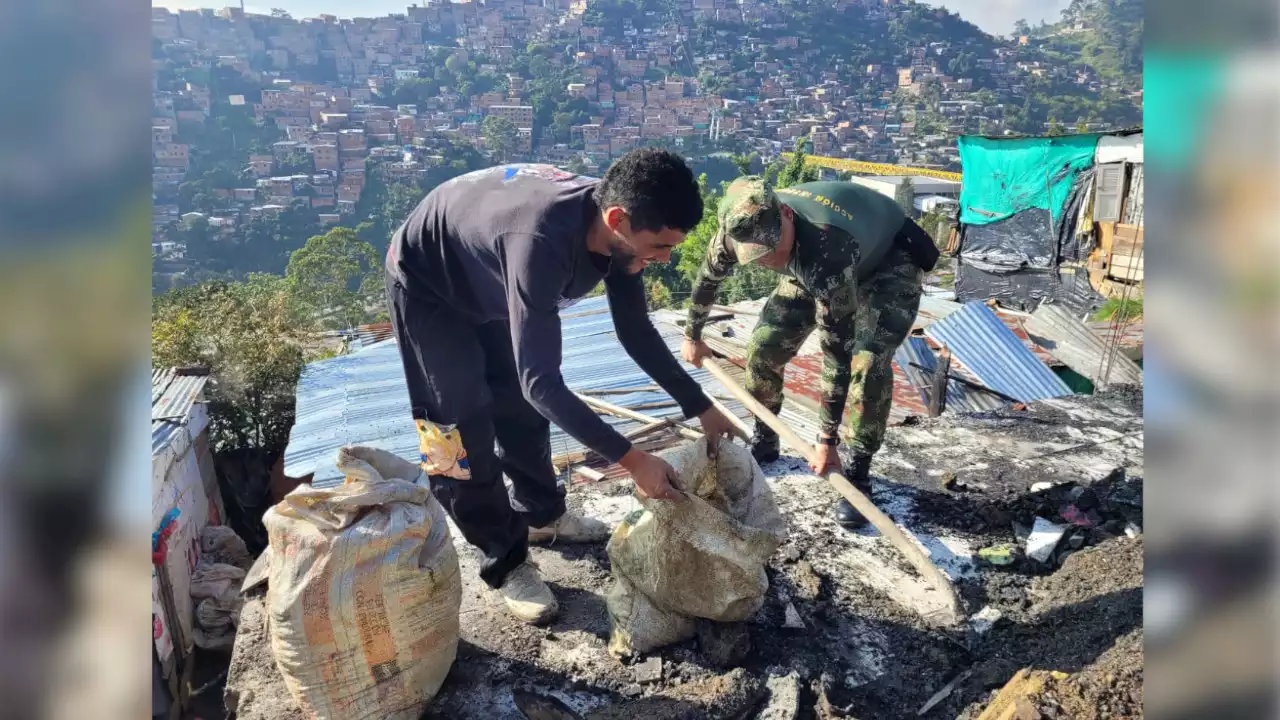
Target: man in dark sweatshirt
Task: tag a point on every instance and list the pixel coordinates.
(476, 278)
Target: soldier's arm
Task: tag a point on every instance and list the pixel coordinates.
(716, 266)
(837, 325)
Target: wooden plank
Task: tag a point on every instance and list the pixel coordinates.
(588, 473)
(938, 389)
(619, 411)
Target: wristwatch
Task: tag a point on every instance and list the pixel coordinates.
(831, 441)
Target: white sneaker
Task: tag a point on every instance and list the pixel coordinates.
(571, 528)
(527, 596)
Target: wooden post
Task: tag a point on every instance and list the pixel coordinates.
(938, 391)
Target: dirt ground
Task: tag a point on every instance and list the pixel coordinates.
(958, 484)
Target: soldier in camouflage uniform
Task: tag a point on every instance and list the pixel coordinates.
(852, 265)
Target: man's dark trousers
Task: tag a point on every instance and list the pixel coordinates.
(464, 373)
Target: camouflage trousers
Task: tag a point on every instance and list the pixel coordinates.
(887, 305)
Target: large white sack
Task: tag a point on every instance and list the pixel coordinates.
(703, 558)
(363, 591)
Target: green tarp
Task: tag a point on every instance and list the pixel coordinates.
(1003, 177)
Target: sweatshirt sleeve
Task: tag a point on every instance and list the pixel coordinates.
(536, 272)
(645, 345)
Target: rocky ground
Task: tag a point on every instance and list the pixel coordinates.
(959, 485)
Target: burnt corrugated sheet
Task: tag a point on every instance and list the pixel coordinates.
(960, 397)
(362, 399)
(990, 350)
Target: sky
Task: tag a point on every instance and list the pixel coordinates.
(994, 16)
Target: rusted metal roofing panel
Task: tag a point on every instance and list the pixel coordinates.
(995, 355)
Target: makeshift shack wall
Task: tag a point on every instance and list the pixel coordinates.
(1029, 251)
(182, 478)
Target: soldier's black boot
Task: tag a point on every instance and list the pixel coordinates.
(859, 474)
(764, 444)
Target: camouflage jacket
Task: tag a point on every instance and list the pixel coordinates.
(823, 265)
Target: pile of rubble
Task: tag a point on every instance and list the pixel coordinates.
(1035, 514)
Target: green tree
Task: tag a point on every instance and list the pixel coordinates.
(254, 345)
(905, 196)
(500, 136)
(744, 162)
(336, 277)
(1055, 127)
(1082, 126)
(796, 171)
(576, 165)
(658, 294)
(295, 162)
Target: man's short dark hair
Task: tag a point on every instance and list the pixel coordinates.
(655, 187)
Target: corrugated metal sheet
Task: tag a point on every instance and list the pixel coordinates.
(361, 398)
(933, 309)
(997, 357)
(960, 397)
(1071, 341)
(172, 396)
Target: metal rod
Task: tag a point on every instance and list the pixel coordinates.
(970, 383)
(882, 522)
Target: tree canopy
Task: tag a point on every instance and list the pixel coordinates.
(337, 278)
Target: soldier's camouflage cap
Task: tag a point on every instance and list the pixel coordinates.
(750, 218)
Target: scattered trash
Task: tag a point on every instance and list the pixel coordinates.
(1078, 517)
(998, 555)
(985, 619)
(792, 620)
(1084, 498)
(382, 537)
(649, 671)
(1018, 696)
(944, 693)
(1132, 530)
(1044, 539)
(1076, 541)
(703, 558)
(949, 481)
(215, 586)
(1041, 487)
(221, 544)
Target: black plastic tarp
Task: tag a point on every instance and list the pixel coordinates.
(1024, 288)
(1018, 261)
(1023, 240)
